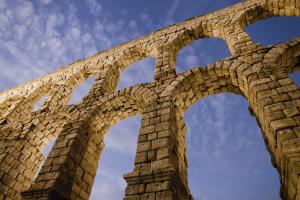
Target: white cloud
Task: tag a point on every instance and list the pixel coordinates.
(42, 41)
(53, 21)
(94, 7)
(45, 2)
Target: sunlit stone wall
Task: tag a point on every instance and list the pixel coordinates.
(258, 74)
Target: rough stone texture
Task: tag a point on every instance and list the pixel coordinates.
(258, 74)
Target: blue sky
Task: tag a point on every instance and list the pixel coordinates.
(227, 156)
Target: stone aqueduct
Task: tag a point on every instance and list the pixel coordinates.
(258, 74)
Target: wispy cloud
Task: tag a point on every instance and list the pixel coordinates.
(146, 20)
(221, 137)
(224, 141)
(139, 72)
(35, 40)
(120, 140)
(123, 137)
(45, 2)
(109, 184)
(40, 43)
(170, 13)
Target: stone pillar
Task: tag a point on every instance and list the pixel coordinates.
(238, 40)
(275, 100)
(19, 161)
(160, 171)
(71, 166)
(165, 66)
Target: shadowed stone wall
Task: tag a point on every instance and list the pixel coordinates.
(258, 74)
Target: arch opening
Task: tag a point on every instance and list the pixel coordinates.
(116, 159)
(227, 152)
(139, 72)
(82, 90)
(39, 104)
(274, 30)
(45, 152)
(104, 116)
(296, 78)
(201, 53)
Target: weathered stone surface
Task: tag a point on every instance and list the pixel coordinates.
(258, 74)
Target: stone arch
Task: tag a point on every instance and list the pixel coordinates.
(221, 27)
(186, 36)
(252, 14)
(267, 9)
(104, 116)
(27, 103)
(237, 37)
(86, 138)
(116, 107)
(200, 29)
(268, 102)
(46, 127)
(272, 98)
(192, 85)
(263, 10)
(115, 65)
(62, 81)
(181, 39)
(58, 94)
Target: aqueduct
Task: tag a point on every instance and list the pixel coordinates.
(259, 74)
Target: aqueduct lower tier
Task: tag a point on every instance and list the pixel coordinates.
(258, 74)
